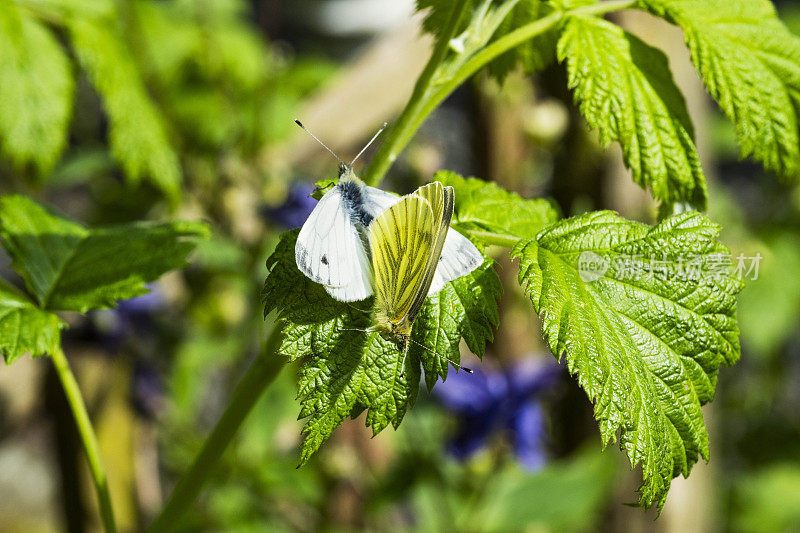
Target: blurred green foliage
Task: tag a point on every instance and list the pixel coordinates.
(768, 500)
(189, 90)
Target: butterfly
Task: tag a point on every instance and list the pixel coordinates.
(334, 245)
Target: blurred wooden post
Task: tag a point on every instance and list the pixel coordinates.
(369, 91)
(507, 161)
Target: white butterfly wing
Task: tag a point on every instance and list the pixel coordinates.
(459, 258)
(361, 287)
(329, 249)
(376, 201)
(330, 252)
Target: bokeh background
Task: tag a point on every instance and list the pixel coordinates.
(513, 447)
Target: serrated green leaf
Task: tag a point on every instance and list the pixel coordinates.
(625, 90)
(465, 308)
(645, 343)
(437, 13)
(137, 134)
(484, 206)
(344, 372)
(69, 267)
(37, 91)
(750, 63)
(24, 328)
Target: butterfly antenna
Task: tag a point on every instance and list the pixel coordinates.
(369, 143)
(437, 354)
(353, 329)
(403, 362)
(320, 142)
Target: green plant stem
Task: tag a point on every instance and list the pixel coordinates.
(259, 376)
(494, 239)
(427, 95)
(88, 438)
(408, 122)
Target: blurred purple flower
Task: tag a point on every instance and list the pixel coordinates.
(491, 401)
(144, 304)
(294, 211)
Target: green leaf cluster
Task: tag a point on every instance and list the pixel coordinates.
(345, 371)
(750, 63)
(644, 317)
(39, 82)
(67, 267)
(215, 75)
(172, 77)
(747, 58)
(137, 133)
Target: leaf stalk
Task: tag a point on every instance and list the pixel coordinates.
(88, 438)
(494, 239)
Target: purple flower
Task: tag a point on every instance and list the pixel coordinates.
(294, 211)
(491, 401)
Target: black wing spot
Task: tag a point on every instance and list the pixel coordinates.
(324, 259)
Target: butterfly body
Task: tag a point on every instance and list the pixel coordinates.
(397, 332)
(353, 192)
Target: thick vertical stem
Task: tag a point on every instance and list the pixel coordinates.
(408, 122)
(259, 376)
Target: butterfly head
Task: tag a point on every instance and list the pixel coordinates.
(346, 173)
(398, 333)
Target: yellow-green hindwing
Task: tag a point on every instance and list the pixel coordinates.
(406, 242)
(400, 239)
(442, 200)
